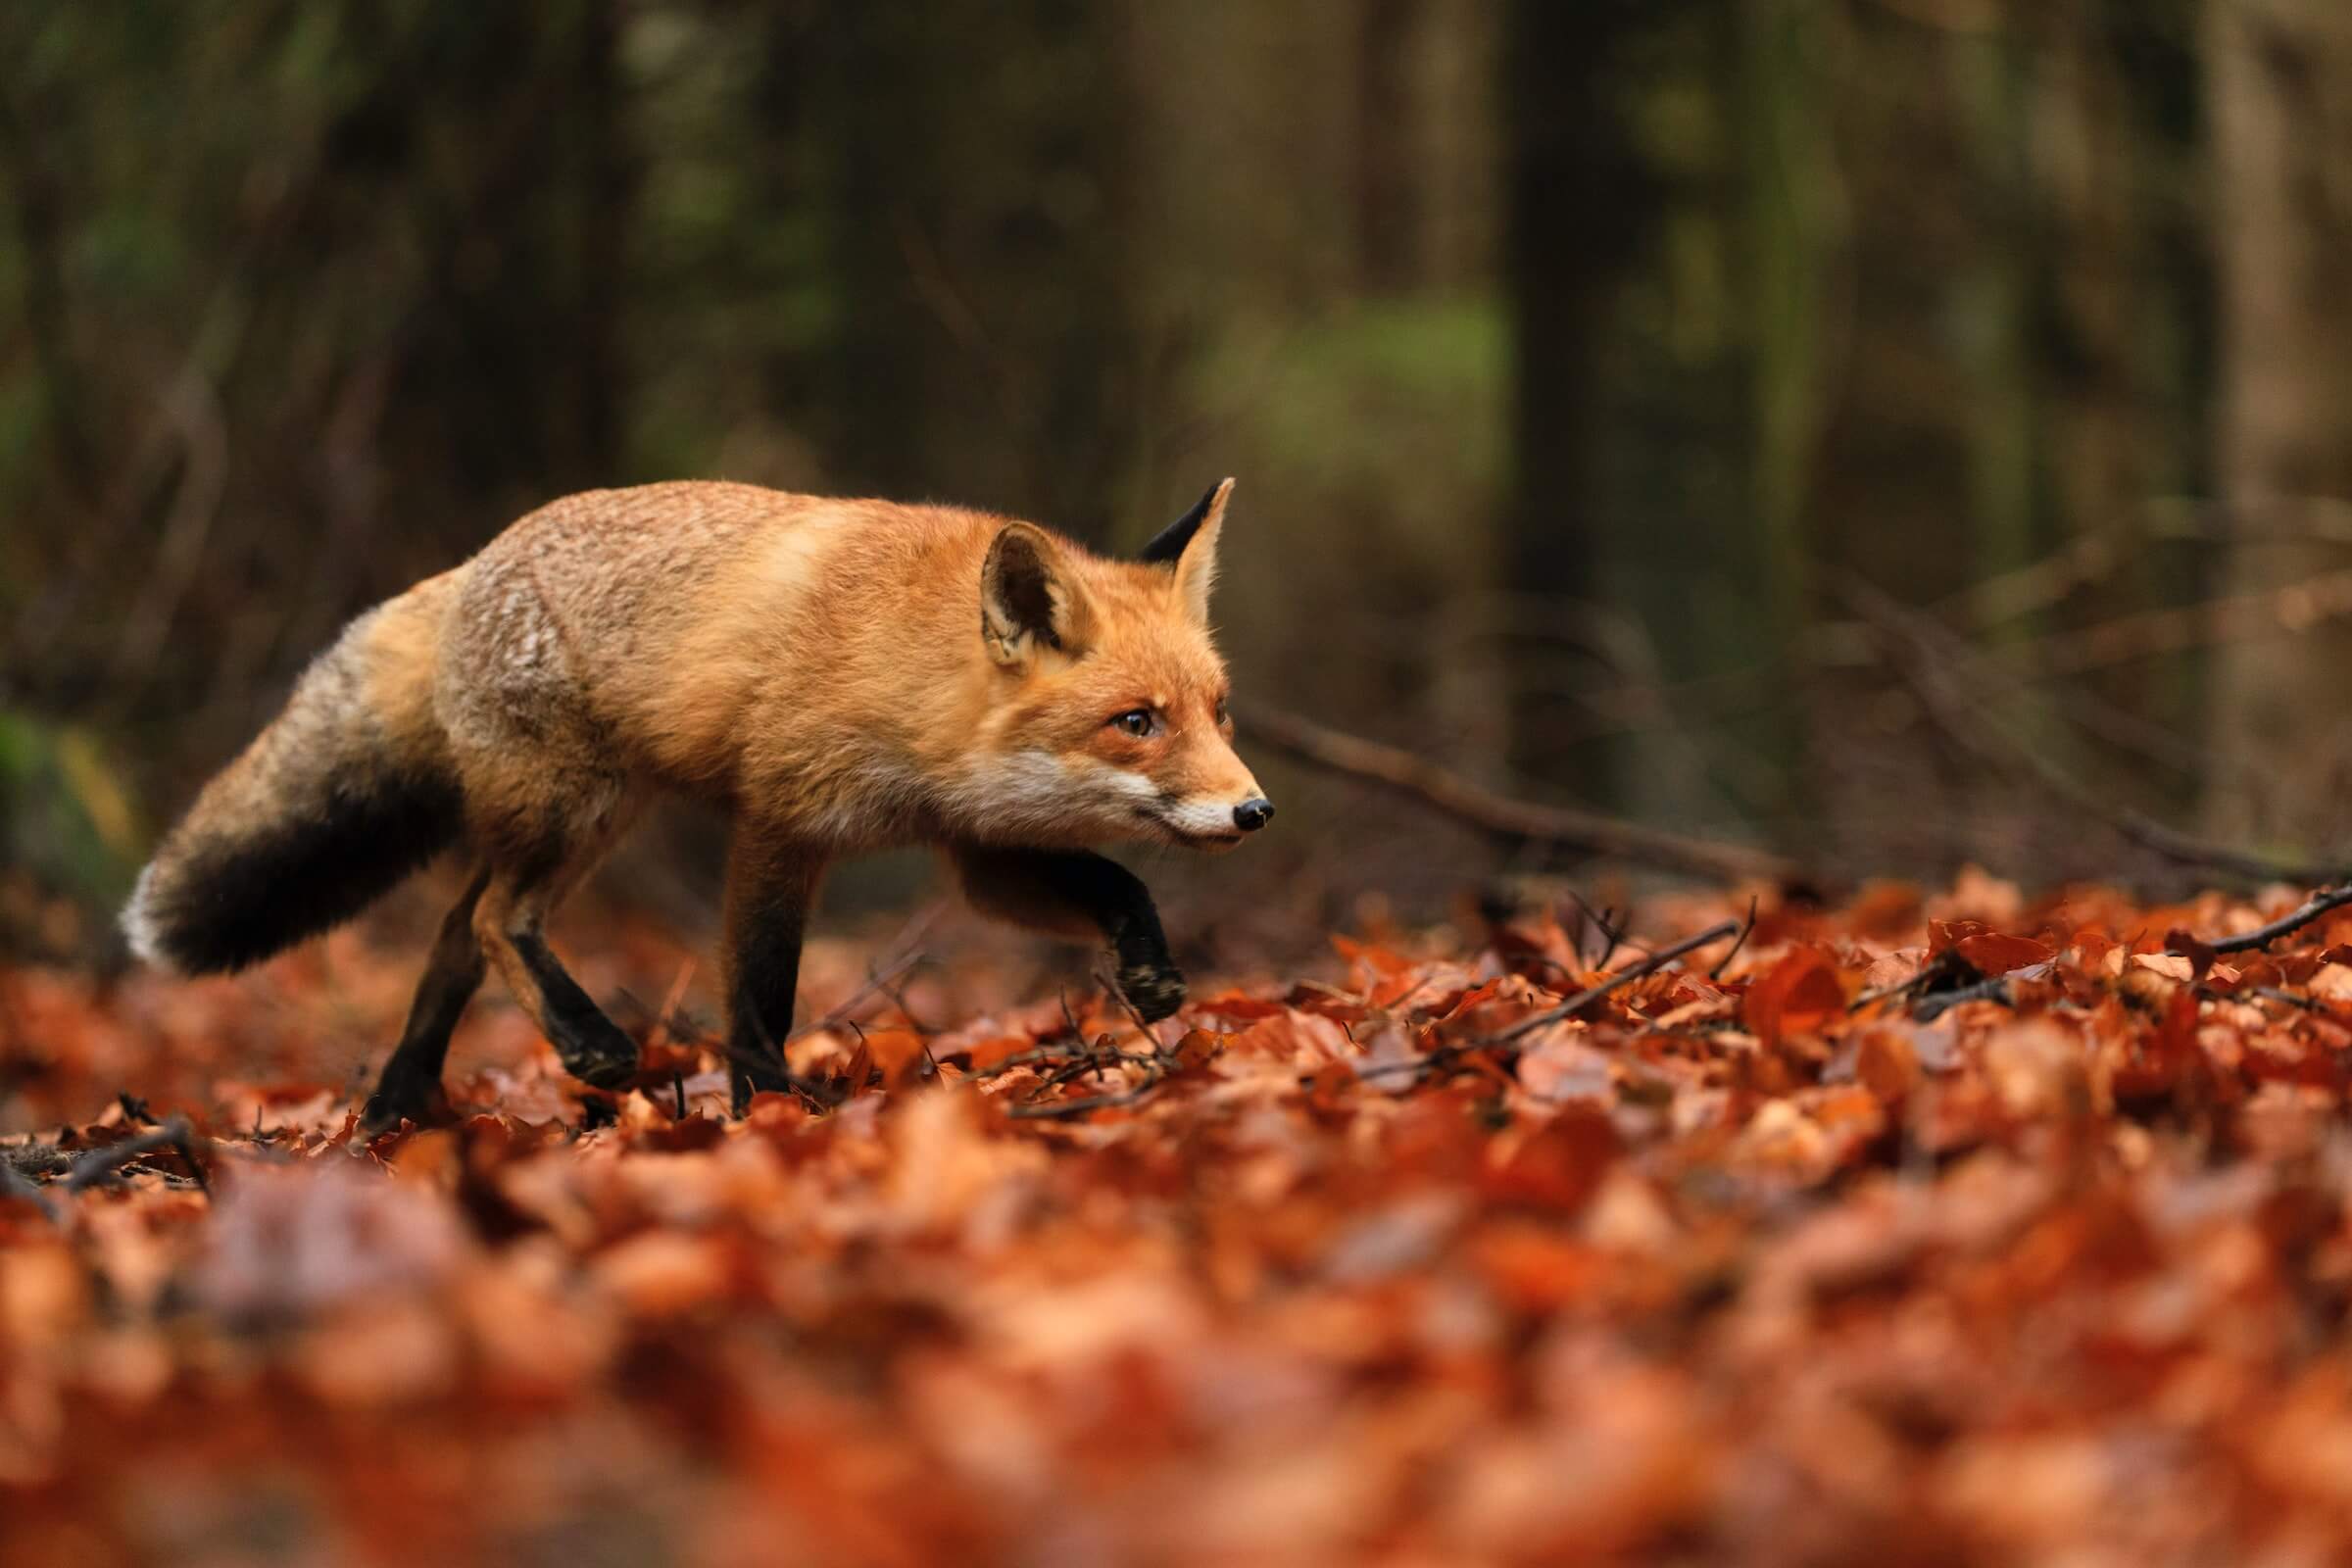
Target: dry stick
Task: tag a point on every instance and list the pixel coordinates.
(15, 1184)
(1920, 651)
(878, 979)
(1600, 923)
(1156, 1064)
(1746, 929)
(2293, 922)
(1445, 1055)
(1064, 1108)
(1502, 815)
(1935, 1004)
(100, 1163)
(2307, 1003)
(1037, 1055)
(1626, 976)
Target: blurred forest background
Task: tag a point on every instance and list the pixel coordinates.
(1892, 432)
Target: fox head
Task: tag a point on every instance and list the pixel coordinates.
(1111, 720)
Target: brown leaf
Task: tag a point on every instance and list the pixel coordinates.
(1797, 994)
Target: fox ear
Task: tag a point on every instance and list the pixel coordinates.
(1028, 598)
(1190, 545)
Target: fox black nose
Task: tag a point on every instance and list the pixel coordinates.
(1254, 813)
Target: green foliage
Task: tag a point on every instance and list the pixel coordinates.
(64, 814)
(1401, 405)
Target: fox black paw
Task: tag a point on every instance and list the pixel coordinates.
(601, 1064)
(1153, 991)
(393, 1103)
(745, 1079)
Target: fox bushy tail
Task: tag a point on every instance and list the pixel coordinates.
(345, 794)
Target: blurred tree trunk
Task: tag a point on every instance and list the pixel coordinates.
(975, 160)
(1795, 235)
(602, 227)
(2112, 137)
(2281, 104)
(1579, 200)
(1997, 300)
(1387, 213)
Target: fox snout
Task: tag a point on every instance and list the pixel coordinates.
(1216, 822)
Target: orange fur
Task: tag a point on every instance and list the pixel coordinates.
(839, 676)
(821, 667)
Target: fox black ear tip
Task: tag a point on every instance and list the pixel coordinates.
(1168, 545)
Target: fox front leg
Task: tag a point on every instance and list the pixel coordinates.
(771, 883)
(1085, 897)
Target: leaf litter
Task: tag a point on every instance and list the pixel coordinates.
(1957, 1227)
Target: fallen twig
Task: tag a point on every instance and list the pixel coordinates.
(13, 1184)
(1747, 928)
(1600, 923)
(1157, 1064)
(878, 982)
(1925, 655)
(1593, 993)
(1062, 1110)
(100, 1163)
(1506, 817)
(1935, 1004)
(1446, 1057)
(1884, 993)
(2291, 1000)
(1071, 1066)
(2287, 924)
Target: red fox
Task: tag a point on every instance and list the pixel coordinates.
(838, 676)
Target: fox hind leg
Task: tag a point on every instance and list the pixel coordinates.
(411, 1084)
(511, 920)
(771, 884)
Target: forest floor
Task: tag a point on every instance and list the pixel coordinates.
(1940, 1227)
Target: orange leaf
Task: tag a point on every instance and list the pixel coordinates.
(1994, 953)
(1559, 1164)
(900, 1053)
(1800, 992)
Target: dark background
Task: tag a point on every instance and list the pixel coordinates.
(1897, 432)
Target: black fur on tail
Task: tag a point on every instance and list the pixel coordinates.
(216, 900)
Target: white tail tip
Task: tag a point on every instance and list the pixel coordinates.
(138, 924)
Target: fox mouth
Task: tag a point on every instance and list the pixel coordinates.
(1186, 839)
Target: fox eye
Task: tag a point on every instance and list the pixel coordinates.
(1136, 721)
(1224, 716)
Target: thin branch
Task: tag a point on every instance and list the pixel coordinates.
(1626, 976)
(877, 984)
(100, 1163)
(1600, 923)
(1935, 1004)
(1924, 656)
(1447, 1055)
(1064, 1110)
(1157, 1065)
(2290, 999)
(1504, 816)
(15, 1184)
(1747, 929)
(1033, 1056)
(2287, 924)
